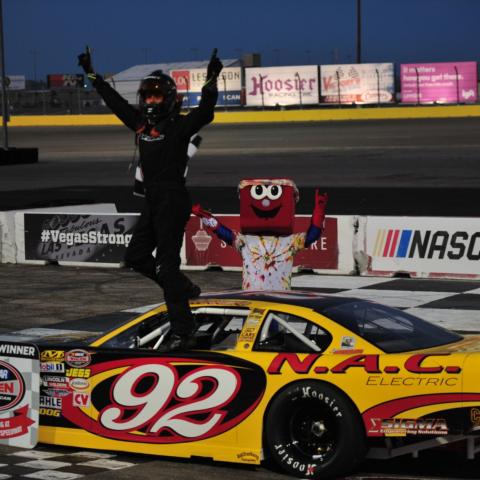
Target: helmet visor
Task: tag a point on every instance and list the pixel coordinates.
(152, 87)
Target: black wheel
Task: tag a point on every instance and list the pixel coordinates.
(313, 431)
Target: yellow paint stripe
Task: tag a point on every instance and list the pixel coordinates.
(314, 115)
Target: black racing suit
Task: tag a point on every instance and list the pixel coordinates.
(163, 159)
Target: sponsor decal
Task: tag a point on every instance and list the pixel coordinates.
(78, 372)
(52, 356)
(368, 362)
(79, 383)
(393, 408)
(475, 417)
(379, 381)
(12, 386)
(401, 427)
(56, 393)
(54, 378)
(78, 358)
(248, 334)
(52, 367)
(49, 412)
(50, 402)
(80, 399)
(427, 244)
(165, 400)
(248, 457)
(56, 385)
(348, 342)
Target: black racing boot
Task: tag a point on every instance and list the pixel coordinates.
(193, 291)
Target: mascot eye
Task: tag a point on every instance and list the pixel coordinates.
(258, 192)
(274, 192)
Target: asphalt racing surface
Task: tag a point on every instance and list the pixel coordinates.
(410, 167)
(401, 167)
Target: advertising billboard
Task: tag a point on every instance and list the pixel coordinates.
(60, 80)
(454, 82)
(190, 83)
(271, 86)
(421, 246)
(359, 84)
(15, 82)
(203, 249)
(89, 238)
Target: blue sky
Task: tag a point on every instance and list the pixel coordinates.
(45, 36)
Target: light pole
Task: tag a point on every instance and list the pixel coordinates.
(4, 86)
(359, 31)
(145, 53)
(34, 54)
(299, 88)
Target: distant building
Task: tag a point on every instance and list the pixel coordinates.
(126, 82)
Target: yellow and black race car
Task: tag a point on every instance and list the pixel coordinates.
(315, 382)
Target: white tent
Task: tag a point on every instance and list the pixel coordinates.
(126, 82)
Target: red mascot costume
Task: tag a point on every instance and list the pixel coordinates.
(267, 243)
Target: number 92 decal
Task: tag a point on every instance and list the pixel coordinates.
(167, 400)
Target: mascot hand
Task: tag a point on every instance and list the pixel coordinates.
(200, 212)
(318, 215)
(207, 218)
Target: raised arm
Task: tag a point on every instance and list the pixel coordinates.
(204, 113)
(213, 225)
(128, 114)
(318, 218)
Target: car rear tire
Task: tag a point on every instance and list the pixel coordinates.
(313, 431)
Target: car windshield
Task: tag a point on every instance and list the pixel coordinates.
(387, 328)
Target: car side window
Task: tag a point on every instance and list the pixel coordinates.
(221, 330)
(284, 332)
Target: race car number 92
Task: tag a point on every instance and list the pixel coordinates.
(168, 403)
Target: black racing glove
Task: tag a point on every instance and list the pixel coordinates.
(214, 67)
(85, 61)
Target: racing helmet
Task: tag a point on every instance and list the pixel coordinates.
(157, 83)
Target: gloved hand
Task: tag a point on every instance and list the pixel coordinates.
(214, 67)
(85, 61)
(207, 218)
(318, 216)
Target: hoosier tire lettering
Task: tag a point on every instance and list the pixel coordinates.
(312, 430)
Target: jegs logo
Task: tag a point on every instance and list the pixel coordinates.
(167, 400)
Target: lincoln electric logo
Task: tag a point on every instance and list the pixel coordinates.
(397, 243)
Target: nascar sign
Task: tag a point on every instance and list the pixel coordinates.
(423, 247)
(190, 83)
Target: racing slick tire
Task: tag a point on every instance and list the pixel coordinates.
(312, 430)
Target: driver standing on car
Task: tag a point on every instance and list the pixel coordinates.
(163, 136)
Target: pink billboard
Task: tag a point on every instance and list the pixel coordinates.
(454, 82)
